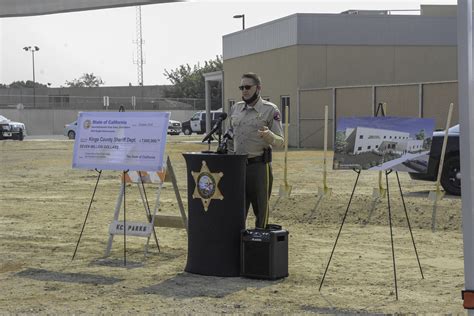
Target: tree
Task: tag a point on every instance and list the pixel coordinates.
(27, 84)
(341, 143)
(420, 135)
(3, 85)
(85, 81)
(188, 82)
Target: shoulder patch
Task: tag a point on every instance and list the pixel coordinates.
(277, 116)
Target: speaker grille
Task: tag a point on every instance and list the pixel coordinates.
(256, 258)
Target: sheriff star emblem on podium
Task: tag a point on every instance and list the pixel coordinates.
(207, 185)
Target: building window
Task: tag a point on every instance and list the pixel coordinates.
(361, 136)
(359, 148)
(384, 137)
(285, 101)
(368, 147)
(376, 146)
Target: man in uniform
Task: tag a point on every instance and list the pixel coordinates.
(256, 127)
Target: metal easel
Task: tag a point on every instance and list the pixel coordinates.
(387, 172)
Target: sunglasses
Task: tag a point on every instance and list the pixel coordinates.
(246, 87)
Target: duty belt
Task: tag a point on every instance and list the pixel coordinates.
(254, 160)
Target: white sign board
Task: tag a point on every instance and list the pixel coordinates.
(120, 140)
(133, 228)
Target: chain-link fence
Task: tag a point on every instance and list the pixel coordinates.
(94, 103)
(429, 100)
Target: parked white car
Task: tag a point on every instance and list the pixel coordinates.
(70, 130)
(11, 130)
(174, 127)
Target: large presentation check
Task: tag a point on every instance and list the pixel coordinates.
(120, 140)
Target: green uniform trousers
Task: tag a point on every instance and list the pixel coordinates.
(259, 180)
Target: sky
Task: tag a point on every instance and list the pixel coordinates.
(410, 125)
(102, 41)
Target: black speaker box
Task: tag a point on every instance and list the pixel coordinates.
(264, 253)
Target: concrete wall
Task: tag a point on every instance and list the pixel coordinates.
(51, 122)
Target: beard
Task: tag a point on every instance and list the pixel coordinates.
(251, 99)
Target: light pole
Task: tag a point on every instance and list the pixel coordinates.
(241, 16)
(33, 49)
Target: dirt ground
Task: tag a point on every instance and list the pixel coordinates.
(43, 203)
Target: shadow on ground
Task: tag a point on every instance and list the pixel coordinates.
(45, 275)
(186, 285)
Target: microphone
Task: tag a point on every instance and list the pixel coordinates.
(216, 126)
(228, 136)
(221, 118)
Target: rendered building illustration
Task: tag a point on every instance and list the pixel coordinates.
(365, 139)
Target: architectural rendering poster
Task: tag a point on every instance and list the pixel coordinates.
(382, 143)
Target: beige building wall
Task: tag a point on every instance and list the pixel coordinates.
(436, 100)
(400, 100)
(333, 66)
(312, 118)
(354, 102)
(425, 64)
(278, 71)
(438, 10)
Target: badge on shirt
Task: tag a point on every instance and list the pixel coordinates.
(277, 116)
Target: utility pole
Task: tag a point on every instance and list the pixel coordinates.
(139, 42)
(33, 49)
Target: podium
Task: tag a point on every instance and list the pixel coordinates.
(216, 212)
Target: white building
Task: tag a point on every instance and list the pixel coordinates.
(365, 139)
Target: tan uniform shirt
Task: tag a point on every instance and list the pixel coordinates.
(247, 120)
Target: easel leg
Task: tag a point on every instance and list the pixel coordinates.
(87, 214)
(149, 216)
(409, 226)
(118, 205)
(391, 234)
(124, 222)
(170, 170)
(340, 229)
